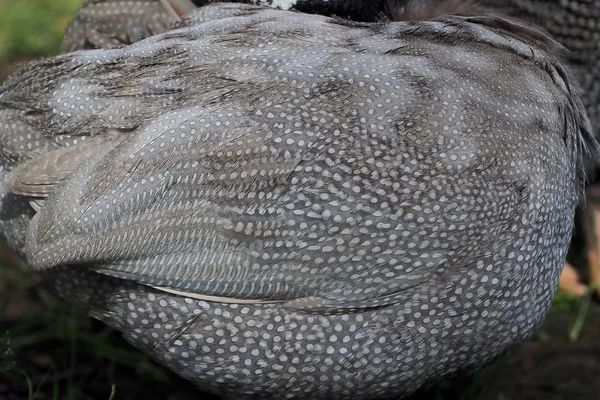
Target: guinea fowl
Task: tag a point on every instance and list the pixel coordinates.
(576, 25)
(282, 205)
(113, 23)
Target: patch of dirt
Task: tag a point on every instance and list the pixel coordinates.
(552, 367)
(547, 367)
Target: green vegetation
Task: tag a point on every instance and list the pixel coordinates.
(33, 28)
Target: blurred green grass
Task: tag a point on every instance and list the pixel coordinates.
(33, 28)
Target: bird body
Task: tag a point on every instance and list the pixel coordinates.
(108, 24)
(282, 205)
(576, 25)
(113, 23)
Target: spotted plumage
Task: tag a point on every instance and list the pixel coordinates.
(575, 24)
(108, 24)
(282, 205)
(114, 23)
